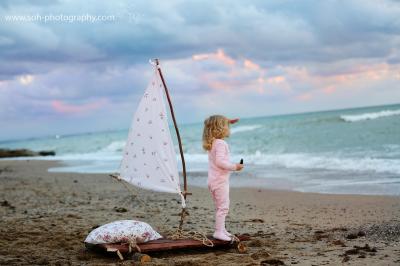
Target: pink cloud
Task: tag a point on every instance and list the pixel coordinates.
(277, 79)
(218, 85)
(239, 77)
(219, 56)
(361, 72)
(66, 108)
(248, 64)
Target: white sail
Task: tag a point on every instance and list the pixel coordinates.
(149, 158)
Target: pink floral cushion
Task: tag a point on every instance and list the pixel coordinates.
(122, 231)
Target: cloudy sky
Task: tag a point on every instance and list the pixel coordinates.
(80, 66)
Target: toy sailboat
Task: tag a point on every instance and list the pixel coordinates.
(149, 162)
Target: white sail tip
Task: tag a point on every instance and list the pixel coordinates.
(155, 62)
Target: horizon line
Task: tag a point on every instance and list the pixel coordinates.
(193, 123)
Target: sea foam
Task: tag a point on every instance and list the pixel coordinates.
(310, 161)
(326, 161)
(369, 116)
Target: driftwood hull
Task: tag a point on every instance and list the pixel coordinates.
(164, 245)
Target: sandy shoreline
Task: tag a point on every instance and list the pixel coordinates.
(46, 216)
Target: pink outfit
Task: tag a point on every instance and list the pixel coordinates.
(219, 168)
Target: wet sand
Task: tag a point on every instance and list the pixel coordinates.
(46, 216)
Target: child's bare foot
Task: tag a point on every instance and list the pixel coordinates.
(221, 236)
(227, 233)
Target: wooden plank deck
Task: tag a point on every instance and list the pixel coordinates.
(165, 244)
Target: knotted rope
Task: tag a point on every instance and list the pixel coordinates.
(195, 235)
(133, 246)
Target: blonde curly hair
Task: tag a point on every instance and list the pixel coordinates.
(215, 127)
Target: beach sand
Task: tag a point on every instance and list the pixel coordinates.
(45, 218)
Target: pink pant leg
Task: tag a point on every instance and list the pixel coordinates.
(221, 201)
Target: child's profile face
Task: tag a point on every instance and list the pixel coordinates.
(227, 130)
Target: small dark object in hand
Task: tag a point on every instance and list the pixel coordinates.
(241, 161)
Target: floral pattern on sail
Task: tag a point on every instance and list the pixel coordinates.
(149, 158)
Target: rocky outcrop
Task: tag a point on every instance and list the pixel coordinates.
(5, 153)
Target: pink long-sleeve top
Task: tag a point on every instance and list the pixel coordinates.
(219, 165)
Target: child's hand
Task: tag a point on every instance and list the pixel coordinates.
(239, 167)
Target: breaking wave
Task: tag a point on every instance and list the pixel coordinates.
(369, 116)
(244, 128)
(311, 161)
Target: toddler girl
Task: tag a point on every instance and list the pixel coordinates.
(216, 128)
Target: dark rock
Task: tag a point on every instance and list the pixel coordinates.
(360, 250)
(352, 236)
(6, 153)
(339, 243)
(47, 153)
(15, 153)
(343, 229)
(272, 262)
(361, 233)
(255, 220)
(352, 251)
(5, 203)
(120, 209)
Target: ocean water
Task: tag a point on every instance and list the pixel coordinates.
(354, 151)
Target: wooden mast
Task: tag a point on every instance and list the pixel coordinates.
(177, 131)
